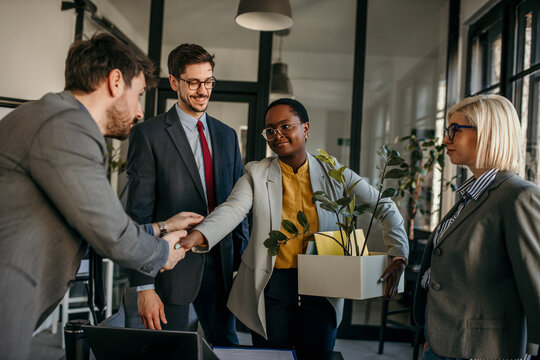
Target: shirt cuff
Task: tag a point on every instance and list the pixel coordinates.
(149, 229)
(145, 287)
(402, 258)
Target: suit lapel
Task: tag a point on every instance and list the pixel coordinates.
(275, 193)
(178, 136)
(472, 206)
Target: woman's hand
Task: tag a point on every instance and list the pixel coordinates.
(391, 275)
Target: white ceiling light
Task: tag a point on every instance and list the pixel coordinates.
(264, 15)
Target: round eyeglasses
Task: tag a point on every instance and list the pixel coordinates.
(453, 129)
(269, 134)
(196, 84)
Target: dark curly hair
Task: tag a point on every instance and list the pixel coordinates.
(296, 107)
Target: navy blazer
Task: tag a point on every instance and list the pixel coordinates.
(164, 180)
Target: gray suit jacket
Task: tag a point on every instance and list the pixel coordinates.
(484, 296)
(260, 189)
(55, 197)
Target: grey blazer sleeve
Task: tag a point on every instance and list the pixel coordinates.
(228, 215)
(523, 246)
(67, 161)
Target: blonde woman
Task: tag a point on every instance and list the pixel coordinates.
(478, 293)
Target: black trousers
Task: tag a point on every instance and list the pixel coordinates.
(295, 321)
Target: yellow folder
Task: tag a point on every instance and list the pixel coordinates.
(327, 246)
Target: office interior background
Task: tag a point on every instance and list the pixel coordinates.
(368, 72)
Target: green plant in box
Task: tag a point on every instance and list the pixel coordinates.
(345, 209)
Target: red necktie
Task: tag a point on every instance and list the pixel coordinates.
(208, 169)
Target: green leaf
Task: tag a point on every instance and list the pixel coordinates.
(386, 149)
(342, 226)
(289, 227)
(277, 235)
(327, 207)
(302, 220)
(394, 174)
(394, 154)
(270, 242)
(336, 175)
(353, 185)
(428, 143)
(390, 192)
(362, 208)
(395, 161)
(323, 153)
(320, 196)
(273, 251)
(344, 201)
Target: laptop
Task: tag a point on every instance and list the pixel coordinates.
(112, 343)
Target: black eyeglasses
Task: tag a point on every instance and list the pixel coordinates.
(269, 134)
(196, 84)
(453, 129)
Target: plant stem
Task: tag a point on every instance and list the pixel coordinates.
(376, 205)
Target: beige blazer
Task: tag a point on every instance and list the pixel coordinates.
(260, 189)
(484, 296)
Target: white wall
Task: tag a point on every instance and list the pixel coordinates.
(35, 36)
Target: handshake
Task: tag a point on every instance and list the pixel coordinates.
(180, 241)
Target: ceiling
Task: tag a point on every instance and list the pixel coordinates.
(320, 25)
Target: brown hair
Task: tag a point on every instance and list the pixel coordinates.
(89, 62)
(187, 54)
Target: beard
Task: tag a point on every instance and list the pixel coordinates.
(185, 99)
(119, 125)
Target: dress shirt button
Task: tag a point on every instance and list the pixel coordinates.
(435, 286)
(438, 251)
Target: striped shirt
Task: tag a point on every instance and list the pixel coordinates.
(470, 190)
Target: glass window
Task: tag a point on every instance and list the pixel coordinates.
(528, 41)
(485, 57)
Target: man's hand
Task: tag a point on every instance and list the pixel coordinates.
(184, 220)
(194, 238)
(151, 309)
(176, 252)
(391, 275)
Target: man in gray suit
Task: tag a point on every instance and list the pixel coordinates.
(55, 197)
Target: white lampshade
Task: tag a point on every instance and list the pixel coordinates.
(264, 15)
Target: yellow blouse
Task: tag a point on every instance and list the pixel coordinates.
(297, 195)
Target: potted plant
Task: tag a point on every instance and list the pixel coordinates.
(426, 155)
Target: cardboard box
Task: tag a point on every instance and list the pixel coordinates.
(349, 277)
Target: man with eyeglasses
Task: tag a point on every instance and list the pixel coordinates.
(178, 161)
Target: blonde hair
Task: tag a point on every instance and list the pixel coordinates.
(499, 139)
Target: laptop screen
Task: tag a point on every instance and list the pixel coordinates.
(123, 343)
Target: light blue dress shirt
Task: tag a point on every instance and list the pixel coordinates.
(189, 123)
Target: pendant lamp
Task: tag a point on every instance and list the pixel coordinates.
(280, 85)
(264, 15)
